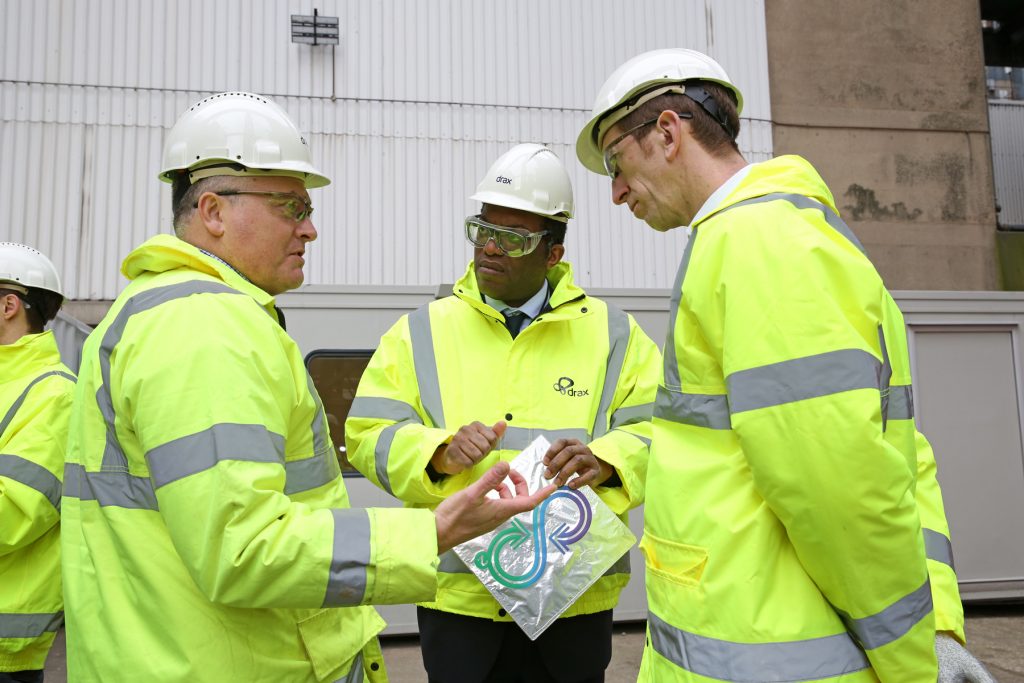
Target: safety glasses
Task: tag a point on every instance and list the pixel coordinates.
(509, 242)
(611, 166)
(291, 205)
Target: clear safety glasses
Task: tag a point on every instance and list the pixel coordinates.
(509, 242)
(611, 166)
(291, 205)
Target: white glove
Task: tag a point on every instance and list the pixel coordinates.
(956, 664)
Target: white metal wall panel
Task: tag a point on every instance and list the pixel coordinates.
(1006, 121)
(405, 115)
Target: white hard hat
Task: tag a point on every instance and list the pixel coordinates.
(641, 79)
(22, 267)
(238, 133)
(528, 177)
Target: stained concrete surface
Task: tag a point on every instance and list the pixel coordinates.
(995, 635)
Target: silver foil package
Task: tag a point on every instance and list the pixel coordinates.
(538, 563)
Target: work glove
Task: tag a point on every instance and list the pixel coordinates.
(956, 664)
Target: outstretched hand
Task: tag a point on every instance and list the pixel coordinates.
(471, 512)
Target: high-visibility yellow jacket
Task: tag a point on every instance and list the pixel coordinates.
(35, 405)
(782, 537)
(206, 533)
(583, 369)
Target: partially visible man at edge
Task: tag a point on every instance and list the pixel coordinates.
(207, 530)
(35, 405)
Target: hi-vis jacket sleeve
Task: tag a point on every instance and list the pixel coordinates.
(219, 428)
(949, 611)
(626, 445)
(32, 447)
(389, 436)
(794, 322)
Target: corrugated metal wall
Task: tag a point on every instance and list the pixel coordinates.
(1006, 121)
(405, 115)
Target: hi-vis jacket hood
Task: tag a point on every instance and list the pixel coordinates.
(35, 405)
(201, 475)
(788, 485)
(582, 369)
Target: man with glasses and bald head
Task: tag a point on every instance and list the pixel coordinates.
(207, 533)
(516, 352)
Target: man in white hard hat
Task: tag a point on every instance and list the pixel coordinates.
(207, 533)
(517, 351)
(794, 528)
(35, 404)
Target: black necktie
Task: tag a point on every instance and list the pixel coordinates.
(514, 320)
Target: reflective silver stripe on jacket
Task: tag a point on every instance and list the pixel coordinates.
(355, 674)
(12, 411)
(109, 489)
(380, 408)
(799, 660)
(901, 402)
(618, 342)
(203, 450)
(113, 456)
(798, 379)
(32, 475)
(802, 202)
(19, 625)
(310, 473)
(628, 415)
(321, 438)
(938, 548)
(893, 622)
(346, 584)
(518, 438)
(671, 362)
(426, 365)
(452, 564)
(698, 410)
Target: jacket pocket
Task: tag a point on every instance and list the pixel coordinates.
(675, 562)
(335, 636)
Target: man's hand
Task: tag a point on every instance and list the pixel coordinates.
(956, 664)
(470, 445)
(570, 456)
(471, 512)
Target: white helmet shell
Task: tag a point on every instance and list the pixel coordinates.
(241, 134)
(25, 267)
(528, 177)
(625, 88)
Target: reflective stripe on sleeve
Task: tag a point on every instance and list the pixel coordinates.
(16, 625)
(311, 473)
(938, 547)
(376, 407)
(203, 450)
(426, 365)
(346, 584)
(901, 402)
(723, 660)
(670, 360)
(632, 414)
(618, 340)
(380, 408)
(321, 438)
(698, 410)
(893, 622)
(12, 411)
(33, 475)
(109, 489)
(823, 374)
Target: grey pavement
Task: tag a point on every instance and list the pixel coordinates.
(995, 634)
